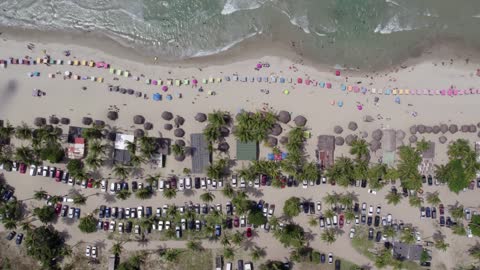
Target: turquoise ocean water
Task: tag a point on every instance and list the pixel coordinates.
(351, 32)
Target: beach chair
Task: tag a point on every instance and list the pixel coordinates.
(93, 78)
(227, 78)
(219, 80)
(235, 78)
(91, 64)
(160, 82)
(186, 82)
(373, 91)
(119, 72)
(380, 91)
(252, 79)
(75, 62)
(111, 70)
(177, 82)
(400, 91)
(148, 81)
(205, 81)
(169, 82)
(210, 80)
(59, 62)
(259, 79)
(282, 80)
(100, 79)
(83, 63)
(407, 92)
(394, 92)
(126, 74)
(265, 79)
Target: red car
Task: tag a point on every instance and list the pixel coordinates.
(58, 208)
(442, 209)
(249, 232)
(58, 175)
(173, 183)
(23, 168)
(236, 222)
(341, 221)
(105, 225)
(283, 180)
(90, 183)
(264, 180)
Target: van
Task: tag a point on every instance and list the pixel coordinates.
(229, 266)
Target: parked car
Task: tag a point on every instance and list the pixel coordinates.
(442, 221)
(11, 235)
(352, 233)
(33, 170)
(330, 258)
(88, 251)
(370, 233)
(442, 209)
(378, 236)
(249, 232)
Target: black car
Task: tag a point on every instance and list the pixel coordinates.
(128, 227)
(369, 221)
(101, 211)
(449, 222)
(134, 186)
(148, 211)
(478, 182)
(394, 190)
(197, 182)
(377, 221)
(430, 180)
(405, 192)
(356, 208)
(370, 234)
(240, 264)
(306, 206)
(322, 258)
(290, 181)
(191, 224)
(378, 236)
(424, 179)
(19, 239)
(337, 264)
(10, 235)
(427, 212)
(228, 223)
(205, 209)
(108, 212)
(363, 219)
(442, 221)
(312, 208)
(364, 183)
(434, 213)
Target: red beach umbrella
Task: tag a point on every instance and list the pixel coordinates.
(164, 88)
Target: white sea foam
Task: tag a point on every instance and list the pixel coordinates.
(476, 16)
(392, 2)
(232, 6)
(302, 22)
(228, 46)
(392, 26)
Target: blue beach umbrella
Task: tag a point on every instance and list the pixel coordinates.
(397, 100)
(157, 97)
(343, 87)
(340, 104)
(169, 97)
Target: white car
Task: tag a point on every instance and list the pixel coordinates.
(71, 181)
(33, 170)
(94, 252)
(45, 171)
(203, 183)
(335, 220)
(243, 221)
(370, 210)
(352, 233)
(112, 226)
(389, 219)
(167, 225)
(257, 183)
(329, 222)
(137, 229)
(39, 170)
(242, 183)
(220, 183)
(330, 258)
(183, 223)
(371, 191)
(319, 206)
(181, 184)
(271, 210)
(469, 232)
(88, 250)
(357, 220)
(305, 184)
(379, 209)
(140, 211)
(364, 208)
(71, 210)
(234, 181)
(158, 213)
(188, 183)
(214, 183)
(112, 188)
(103, 185)
(120, 227)
(161, 184)
(160, 225)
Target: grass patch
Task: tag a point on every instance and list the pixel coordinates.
(348, 265)
(411, 265)
(362, 245)
(198, 260)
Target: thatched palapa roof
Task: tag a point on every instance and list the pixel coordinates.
(284, 117)
(138, 119)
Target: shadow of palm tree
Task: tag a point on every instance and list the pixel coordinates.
(100, 244)
(67, 221)
(109, 198)
(438, 236)
(309, 236)
(248, 244)
(256, 193)
(65, 234)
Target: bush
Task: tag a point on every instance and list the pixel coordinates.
(45, 214)
(256, 217)
(46, 245)
(316, 257)
(475, 225)
(75, 167)
(88, 224)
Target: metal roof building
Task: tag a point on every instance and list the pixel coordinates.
(201, 156)
(326, 149)
(247, 150)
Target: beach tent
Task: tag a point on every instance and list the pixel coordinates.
(52, 62)
(252, 79)
(290, 80)
(270, 156)
(397, 100)
(51, 75)
(243, 79)
(356, 89)
(39, 60)
(157, 97)
(160, 82)
(75, 62)
(169, 97)
(177, 82)
(364, 90)
(407, 92)
(315, 83)
(400, 91)
(60, 62)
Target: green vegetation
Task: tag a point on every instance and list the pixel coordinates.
(256, 217)
(433, 198)
(291, 207)
(475, 225)
(291, 235)
(144, 193)
(253, 126)
(217, 169)
(45, 214)
(342, 171)
(134, 262)
(393, 198)
(207, 197)
(88, 224)
(272, 265)
(407, 167)
(46, 245)
(328, 236)
(75, 168)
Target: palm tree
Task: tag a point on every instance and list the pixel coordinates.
(93, 162)
(348, 199)
(121, 171)
(474, 251)
(123, 194)
(40, 195)
(408, 236)
(433, 198)
(131, 147)
(313, 222)
(211, 133)
(393, 198)
(79, 199)
(172, 211)
(194, 245)
(7, 131)
(217, 118)
(9, 224)
(95, 148)
(360, 149)
(171, 255)
(228, 253)
(27, 226)
(137, 161)
(457, 212)
(349, 214)
(257, 253)
(342, 172)
(415, 201)
(441, 245)
(389, 232)
(178, 150)
(207, 197)
(143, 193)
(332, 199)
(328, 235)
(23, 132)
(225, 241)
(148, 146)
(329, 213)
(117, 248)
(146, 223)
(228, 191)
(24, 154)
(169, 193)
(422, 145)
(237, 238)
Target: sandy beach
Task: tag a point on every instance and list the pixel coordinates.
(438, 69)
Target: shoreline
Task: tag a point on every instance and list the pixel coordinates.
(259, 46)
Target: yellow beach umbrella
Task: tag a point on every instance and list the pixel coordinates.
(286, 92)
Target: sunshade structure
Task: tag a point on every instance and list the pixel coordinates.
(179, 132)
(413, 139)
(138, 119)
(276, 130)
(363, 134)
(272, 141)
(87, 121)
(201, 156)
(375, 145)
(168, 126)
(326, 149)
(39, 121)
(65, 121)
(148, 126)
(284, 117)
(443, 128)
(223, 147)
(179, 120)
(400, 134)
(138, 133)
(247, 150)
(99, 123)
(300, 121)
(442, 139)
(413, 129)
(283, 140)
(201, 117)
(112, 115)
(339, 140)
(337, 130)
(53, 120)
(166, 115)
(377, 134)
(350, 139)
(421, 129)
(453, 128)
(436, 129)
(352, 126)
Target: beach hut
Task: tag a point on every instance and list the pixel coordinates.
(299, 80)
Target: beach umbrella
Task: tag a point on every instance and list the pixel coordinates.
(473, 128)
(286, 92)
(157, 97)
(201, 117)
(284, 117)
(123, 90)
(166, 115)
(195, 81)
(179, 132)
(168, 126)
(112, 115)
(148, 126)
(368, 118)
(179, 120)
(363, 134)
(352, 126)
(259, 66)
(300, 121)
(413, 129)
(276, 130)
(272, 141)
(169, 97)
(138, 119)
(340, 103)
(99, 123)
(337, 129)
(64, 121)
(360, 107)
(164, 88)
(453, 128)
(53, 120)
(49, 128)
(138, 94)
(39, 121)
(339, 141)
(464, 128)
(375, 145)
(442, 139)
(377, 134)
(413, 139)
(443, 128)
(428, 129)
(421, 129)
(284, 140)
(87, 121)
(180, 142)
(138, 133)
(350, 139)
(436, 129)
(223, 147)
(400, 135)
(130, 91)
(224, 131)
